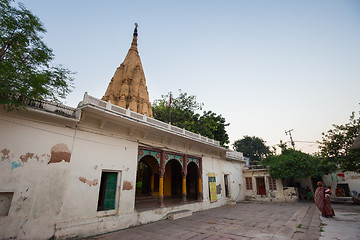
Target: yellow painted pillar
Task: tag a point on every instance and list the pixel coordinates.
(184, 189)
(200, 194)
(161, 190)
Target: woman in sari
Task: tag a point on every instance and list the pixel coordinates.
(322, 201)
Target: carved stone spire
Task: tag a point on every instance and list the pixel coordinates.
(135, 30)
(128, 88)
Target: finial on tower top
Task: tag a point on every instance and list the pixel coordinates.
(135, 30)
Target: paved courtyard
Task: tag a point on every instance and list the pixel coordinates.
(345, 225)
(255, 220)
(243, 220)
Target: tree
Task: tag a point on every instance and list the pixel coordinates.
(336, 143)
(213, 126)
(183, 109)
(295, 164)
(252, 147)
(184, 114)
(26, 71)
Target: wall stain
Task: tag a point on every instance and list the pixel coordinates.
(15, 165)
(127, 185)
(25, 158)
(5, 154)
(60, 152)
(88, 182)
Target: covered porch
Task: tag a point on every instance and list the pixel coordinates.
(167, 179)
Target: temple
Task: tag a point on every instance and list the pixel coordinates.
(106, 164)
(127, 87)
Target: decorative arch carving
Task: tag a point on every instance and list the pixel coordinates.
(194, 160)
(179, 158)
(147, 152)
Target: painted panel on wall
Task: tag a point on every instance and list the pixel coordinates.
(212, 187)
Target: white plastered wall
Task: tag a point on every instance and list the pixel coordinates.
(92, 154)
(38, 186)
(221, 167)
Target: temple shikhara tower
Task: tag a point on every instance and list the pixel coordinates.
(127, 87)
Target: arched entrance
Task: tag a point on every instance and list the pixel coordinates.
(164, 177)
(173, 179)
(192, 181)
(143, 178)
(147, 180)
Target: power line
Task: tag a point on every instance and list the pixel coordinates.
(306, 142)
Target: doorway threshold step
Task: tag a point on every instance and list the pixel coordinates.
(179, 214)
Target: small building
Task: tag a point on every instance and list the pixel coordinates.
(348, 181)
(356, 144)
(260, 186)
(75, 172)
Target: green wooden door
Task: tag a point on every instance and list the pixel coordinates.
(110, 190)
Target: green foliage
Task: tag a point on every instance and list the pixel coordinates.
(183, 109)
(335, 145)
(295, 164)
(252, 147)
(184, 114)
(25, 61)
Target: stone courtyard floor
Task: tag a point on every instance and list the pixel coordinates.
(345, 225)
(254, 220)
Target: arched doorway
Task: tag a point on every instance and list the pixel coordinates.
(143, 178)
(192, 181)
(173, 179)
(147, 179)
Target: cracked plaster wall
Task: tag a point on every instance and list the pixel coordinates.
(54, 174)
(37, 185)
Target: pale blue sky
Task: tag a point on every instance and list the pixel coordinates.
(266, 66)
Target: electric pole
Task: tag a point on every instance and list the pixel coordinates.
(291, 139)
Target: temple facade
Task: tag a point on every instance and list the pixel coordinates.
(75, 172)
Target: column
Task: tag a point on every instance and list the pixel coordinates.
(161, 190)
(184, 189)
(200, 189)
(200, 194)
(184, 174)
(161, 179)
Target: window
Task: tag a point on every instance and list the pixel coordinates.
(249, 185)
(5, 202)
(272, 183)
(107, 194)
